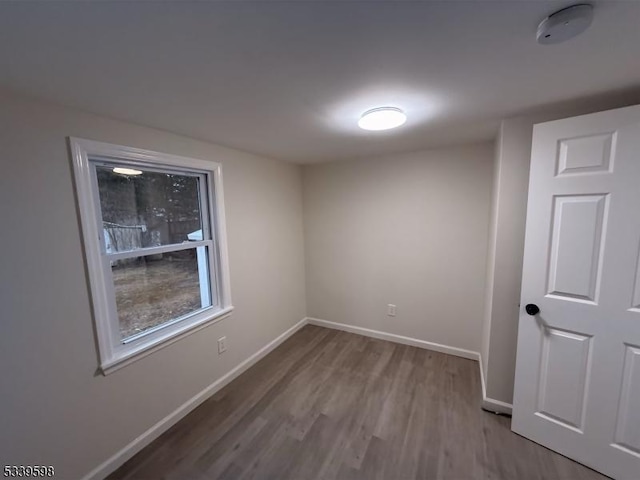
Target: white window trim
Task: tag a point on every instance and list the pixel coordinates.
(114, 356)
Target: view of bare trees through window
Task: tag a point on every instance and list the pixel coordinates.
(163, 207)
(149, 210)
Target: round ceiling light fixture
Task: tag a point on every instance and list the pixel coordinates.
(382, 118)
(565, 24)
(126, 171)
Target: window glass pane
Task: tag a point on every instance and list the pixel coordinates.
(146, 209)
(155, 289)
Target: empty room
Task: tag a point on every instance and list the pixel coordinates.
(333, 240)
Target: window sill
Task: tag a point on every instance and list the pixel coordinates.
(142, 349)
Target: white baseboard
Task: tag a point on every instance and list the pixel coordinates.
(392, 337)
(111, 464)
(491, 404)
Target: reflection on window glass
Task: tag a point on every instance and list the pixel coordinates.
(146, 209)
(155, 289)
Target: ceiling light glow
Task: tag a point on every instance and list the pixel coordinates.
(382, 118)
(126, 171)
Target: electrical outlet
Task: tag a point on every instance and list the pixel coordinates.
(222, 345)
(391, 310)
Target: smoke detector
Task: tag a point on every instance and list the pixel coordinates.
(565, 24)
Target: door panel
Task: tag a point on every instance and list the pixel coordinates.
(627, 434)
(591, 154)
(563, 377)
(577, 388)
(575, 245)
(635, 302)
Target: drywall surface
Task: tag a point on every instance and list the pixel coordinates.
(505, 260)
(491, 257)
(56, 410)
(409, 230)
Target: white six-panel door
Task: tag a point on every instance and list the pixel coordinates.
(577, 388)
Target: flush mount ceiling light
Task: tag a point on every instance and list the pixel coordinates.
(565, 24)
(126, 171)
(382, 118)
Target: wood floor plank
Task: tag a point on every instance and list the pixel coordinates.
(332, 405)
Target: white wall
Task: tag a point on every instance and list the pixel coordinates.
(56, 410)
(491, 260)
(506, 247)
(410, 230)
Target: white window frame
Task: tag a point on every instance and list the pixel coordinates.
(114, 352)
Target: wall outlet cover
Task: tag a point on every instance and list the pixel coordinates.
(222, 345)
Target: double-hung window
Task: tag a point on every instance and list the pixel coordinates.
(154, 239)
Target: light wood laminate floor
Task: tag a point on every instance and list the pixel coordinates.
(328, 404)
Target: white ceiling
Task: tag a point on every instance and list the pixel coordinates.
(290, 79)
